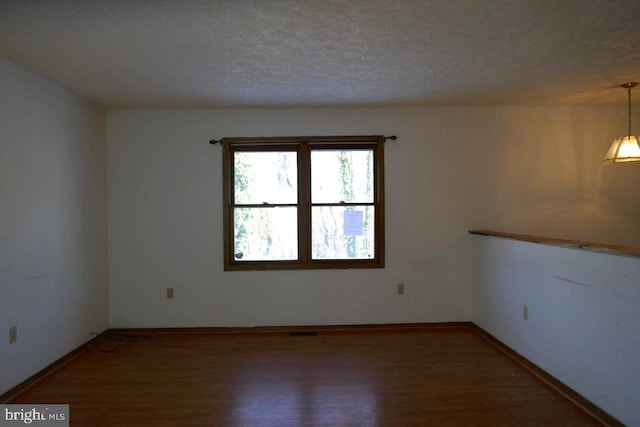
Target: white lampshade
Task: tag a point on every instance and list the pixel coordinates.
(624, 149)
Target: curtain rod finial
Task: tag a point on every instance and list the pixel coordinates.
(392, 137)
(214, 141)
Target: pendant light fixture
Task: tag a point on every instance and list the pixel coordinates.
(625, 148)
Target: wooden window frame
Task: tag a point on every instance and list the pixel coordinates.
(303, 146)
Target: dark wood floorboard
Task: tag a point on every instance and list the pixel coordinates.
(439, 377)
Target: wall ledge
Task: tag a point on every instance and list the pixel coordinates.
(570, 244)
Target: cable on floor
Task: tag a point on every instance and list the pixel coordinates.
(117, 337)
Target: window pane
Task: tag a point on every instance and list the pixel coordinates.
(342, 232)
(265, 234)
(265, 176)
(342, 175)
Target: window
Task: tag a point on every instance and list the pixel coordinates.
(303, 202)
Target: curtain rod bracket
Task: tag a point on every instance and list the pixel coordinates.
(215, 141)
(392, 137)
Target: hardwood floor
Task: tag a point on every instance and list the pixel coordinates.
(428, 377)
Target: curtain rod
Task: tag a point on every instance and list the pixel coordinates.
(219, 141)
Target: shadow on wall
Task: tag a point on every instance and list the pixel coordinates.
(550, 179)
(574, 220)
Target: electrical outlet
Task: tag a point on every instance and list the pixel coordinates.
(13, 334)
(169, 293)
(525, 312)
(400, 289)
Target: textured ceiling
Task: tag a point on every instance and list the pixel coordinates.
(292, 53)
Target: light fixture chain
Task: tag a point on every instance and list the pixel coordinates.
(629, 92)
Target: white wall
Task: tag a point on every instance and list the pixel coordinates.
(165, 230)
(53, 227)
(584, 312)
(514, 169)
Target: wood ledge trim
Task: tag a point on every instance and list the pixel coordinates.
(550, 380)
(565, 243)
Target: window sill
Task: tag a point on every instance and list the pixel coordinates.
(315, 265)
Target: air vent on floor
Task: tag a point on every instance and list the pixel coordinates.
(303, 334)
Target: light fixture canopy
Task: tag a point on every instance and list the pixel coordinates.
(626, 148)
